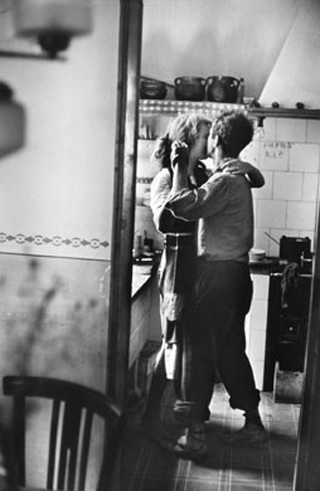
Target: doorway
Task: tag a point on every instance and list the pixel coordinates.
(307, 473)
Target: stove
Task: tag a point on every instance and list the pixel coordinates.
(287, 322)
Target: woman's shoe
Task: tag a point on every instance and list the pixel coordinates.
(192, 444)
(191, 453)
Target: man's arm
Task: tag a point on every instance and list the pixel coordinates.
(254, 175)
(209, 199)
(190, 205)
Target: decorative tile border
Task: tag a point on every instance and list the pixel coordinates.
(56, 241)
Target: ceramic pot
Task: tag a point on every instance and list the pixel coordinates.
(189, 88)
(222, 89)
(152, 89)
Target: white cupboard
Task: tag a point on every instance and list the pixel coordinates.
(256, 326)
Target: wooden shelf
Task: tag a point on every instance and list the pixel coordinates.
(153, 106)
(270, 112)
(174, 107)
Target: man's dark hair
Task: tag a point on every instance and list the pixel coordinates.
(234, 131)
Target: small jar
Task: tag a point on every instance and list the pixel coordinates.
(138, 247)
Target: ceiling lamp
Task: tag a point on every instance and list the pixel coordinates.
(259, 132)
(52, 22)
(12, 122)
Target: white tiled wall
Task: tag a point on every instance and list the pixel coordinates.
(288, 155)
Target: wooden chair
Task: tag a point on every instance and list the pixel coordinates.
(68, 470)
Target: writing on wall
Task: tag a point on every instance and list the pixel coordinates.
(275, 149)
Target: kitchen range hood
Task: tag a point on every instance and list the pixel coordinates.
(295, 76)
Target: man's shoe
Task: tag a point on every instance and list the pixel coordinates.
(249, 434)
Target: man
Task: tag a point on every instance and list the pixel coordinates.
(222, 291)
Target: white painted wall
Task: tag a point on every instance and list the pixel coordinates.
(296, 74)
(61, 184)
(56, 199)
(220, 37)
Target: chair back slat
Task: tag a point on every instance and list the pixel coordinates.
(67, 469)
(53, 442)
(85, 449)
(69, 444)
(19, 410)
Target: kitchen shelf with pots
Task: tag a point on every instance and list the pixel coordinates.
(281, 112)
(175, 107)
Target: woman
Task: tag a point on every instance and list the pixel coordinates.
(178, 259)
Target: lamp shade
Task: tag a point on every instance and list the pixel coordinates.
(35, 17)
(12, 122)
(52, 22)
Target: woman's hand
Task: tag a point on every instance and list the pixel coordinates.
(254, 175)
(236, 166)
(179, 154)
(179, 162)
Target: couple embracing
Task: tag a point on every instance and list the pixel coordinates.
(206, 218)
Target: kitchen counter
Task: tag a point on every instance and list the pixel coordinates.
(141, 273)
(265, 266)
(145, 318)
(142, 270)
(274, 265)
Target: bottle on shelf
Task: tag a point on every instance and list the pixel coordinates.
(138, 247)
(241, 89)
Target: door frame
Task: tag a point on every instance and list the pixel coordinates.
(130, 35)
(307, 470)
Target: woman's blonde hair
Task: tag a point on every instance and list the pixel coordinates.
(184, 128)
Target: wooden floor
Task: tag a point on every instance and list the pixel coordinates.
(146, 467)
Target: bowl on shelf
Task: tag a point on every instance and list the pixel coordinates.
(152, 89)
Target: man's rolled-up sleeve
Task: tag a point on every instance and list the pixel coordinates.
(207, 200)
